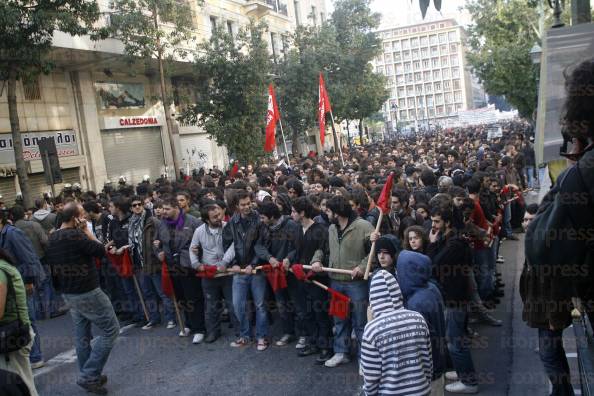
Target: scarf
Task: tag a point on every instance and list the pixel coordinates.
(177, 223)
(135, 228)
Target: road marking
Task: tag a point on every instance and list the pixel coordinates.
(68, 357)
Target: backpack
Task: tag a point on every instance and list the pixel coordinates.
(14, 335)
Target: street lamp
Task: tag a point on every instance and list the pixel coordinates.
(535, 54)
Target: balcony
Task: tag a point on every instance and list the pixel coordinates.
(260, 8)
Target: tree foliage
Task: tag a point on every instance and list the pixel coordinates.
(232, 90)
(500, 39)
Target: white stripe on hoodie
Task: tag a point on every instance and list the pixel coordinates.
(396, 348)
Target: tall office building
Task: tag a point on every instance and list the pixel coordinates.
(428, 76)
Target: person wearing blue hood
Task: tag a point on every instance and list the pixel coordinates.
(396, 348)
(423, 296)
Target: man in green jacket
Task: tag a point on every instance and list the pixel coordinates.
(349, 246)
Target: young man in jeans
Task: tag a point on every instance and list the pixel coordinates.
(71, 254)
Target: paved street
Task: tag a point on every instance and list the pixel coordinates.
(158, 362)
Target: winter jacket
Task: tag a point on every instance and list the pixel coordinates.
(176, 243)
(423, 296)
(18, 245)
(151, 263)
(351, 249)
(312, 245)
(278, 241)
(243, 235)
(70, 257)
(46, 219)
(118, 231)
(452, 269)
(36, 235)
(210, 244)
(396, 347)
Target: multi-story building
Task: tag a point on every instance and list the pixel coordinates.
(103, 112)
(427, 73)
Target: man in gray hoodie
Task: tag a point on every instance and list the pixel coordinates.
(396, 349)
(43, 216)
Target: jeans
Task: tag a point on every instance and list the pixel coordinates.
(484, 272)
(153, 292)
(507, 216)
(286, 307)
(318, 325)
(92, 308)
(214, 291)
(242, 285)
(552, 355)
(35, 355)
(529, 172)
(188, 292)
(132, 304)
(357, 292)
(459, 345)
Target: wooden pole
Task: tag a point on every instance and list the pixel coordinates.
(336, 137)
(320, 285)
(372, 251)
(333, 270)
(280, 123)
(140, 297)
(180, 321)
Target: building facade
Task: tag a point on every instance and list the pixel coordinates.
(103, 113)
(427, 74)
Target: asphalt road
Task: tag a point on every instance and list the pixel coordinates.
(157, 362)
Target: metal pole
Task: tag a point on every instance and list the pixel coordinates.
(336, 137)
(280, 123)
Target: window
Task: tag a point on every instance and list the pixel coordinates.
(433, 39)
(419, 89)
(322, 17)
(424, 41)
(426, 64)
(435, 62)
(442, 38)
(432, 27)
(410, 90)
(430, 100)
(388, 57)
(406, 55)
(426, 76)
(452, 36)
(32, 89)
(416, 65)
(387, 46)
(403, 114)
(439, 110)
(445, 73)
(448, 97)
(420, 101)
(230, 28)
(400, 80)
(397, 57)
(434, 51)
(418, 77)
(421, 113)
(458, 107)
(389, 70)
(399, 69)
(412, 114)
(213, 24)
(273, 44)
(437, 87)
(411, 102)
(457, 96)
(436, 75)
(455, 72)
(444, 61)
(453, 48)
(401, 103)
(447, 84)
(439, 99)
(428, 88)
(444, 49)
(414, 42)
(407, 67)
(297, 17)
(313, 15)
(456, 84)
(379, 70)
(441, 25)
(454, 60)
(415, 54)
(401, 92)
(396, 45)
(449, 109)
(409, 78)
(405, 44)
(431, 112)
(424, 52)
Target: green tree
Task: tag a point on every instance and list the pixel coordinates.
(232, 92)
(26, 35)
(500, 40)
(155, 30)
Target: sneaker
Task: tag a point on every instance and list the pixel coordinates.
(500, 260)
(337, 360)
(285, 340)
(171, 324)
(324, 356)
(185, 332)
(511, 238)
(140, 323)
(212, 337)
(262, 345)
(301, 343)
(460, 387)
(308, 350)
(198, 338)
(37, 365)
(150, 325)
(451, 376)
(240, 342)
(487, 319)
(92, 387)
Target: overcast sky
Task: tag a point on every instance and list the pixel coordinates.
(402, 12)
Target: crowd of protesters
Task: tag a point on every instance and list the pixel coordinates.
(456, 196)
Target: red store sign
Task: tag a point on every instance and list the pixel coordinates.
(131, 122)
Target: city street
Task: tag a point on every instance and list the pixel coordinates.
(158, 362)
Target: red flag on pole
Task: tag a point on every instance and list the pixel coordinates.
(272, 116)
(339, 304)
(276, 276)
(234, 170)
(384, 201)
(122, 263)
(299, 272)
(209, 271)
(323, 108)
(166, 282)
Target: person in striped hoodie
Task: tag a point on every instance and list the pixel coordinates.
(396, 348)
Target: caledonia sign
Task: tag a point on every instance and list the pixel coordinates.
(131, 122)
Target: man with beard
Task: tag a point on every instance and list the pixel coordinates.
(402, 215)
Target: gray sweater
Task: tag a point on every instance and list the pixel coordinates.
(210, 241)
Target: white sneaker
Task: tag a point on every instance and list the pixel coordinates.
(171, 324)
(451, 376)
(301, 343)
(337, 360)
(460, 387)
(198, 338)
(37, 365)
(185, 332)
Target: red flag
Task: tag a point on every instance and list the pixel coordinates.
(323, 108)
(339, 304)
(276, 276)
(234, 170)
(384, 201)
(166, 282)
(272, 116)
(209, 271)
(300, 273)
(122, 263)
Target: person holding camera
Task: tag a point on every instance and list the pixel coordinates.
(71, 254)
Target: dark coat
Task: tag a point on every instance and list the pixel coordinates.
(243, 237)
(278, 241)
(176, 243)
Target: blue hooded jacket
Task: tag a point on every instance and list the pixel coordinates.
(423, 296)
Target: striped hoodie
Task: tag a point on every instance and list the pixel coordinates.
(396, 348)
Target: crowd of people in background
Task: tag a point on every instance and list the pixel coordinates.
(457, 196)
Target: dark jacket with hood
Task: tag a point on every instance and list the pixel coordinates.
(18, 245)
(244, 235)
(396, 348)
(175, 243)
(423, 296)
(46, 218)
(278, 241)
